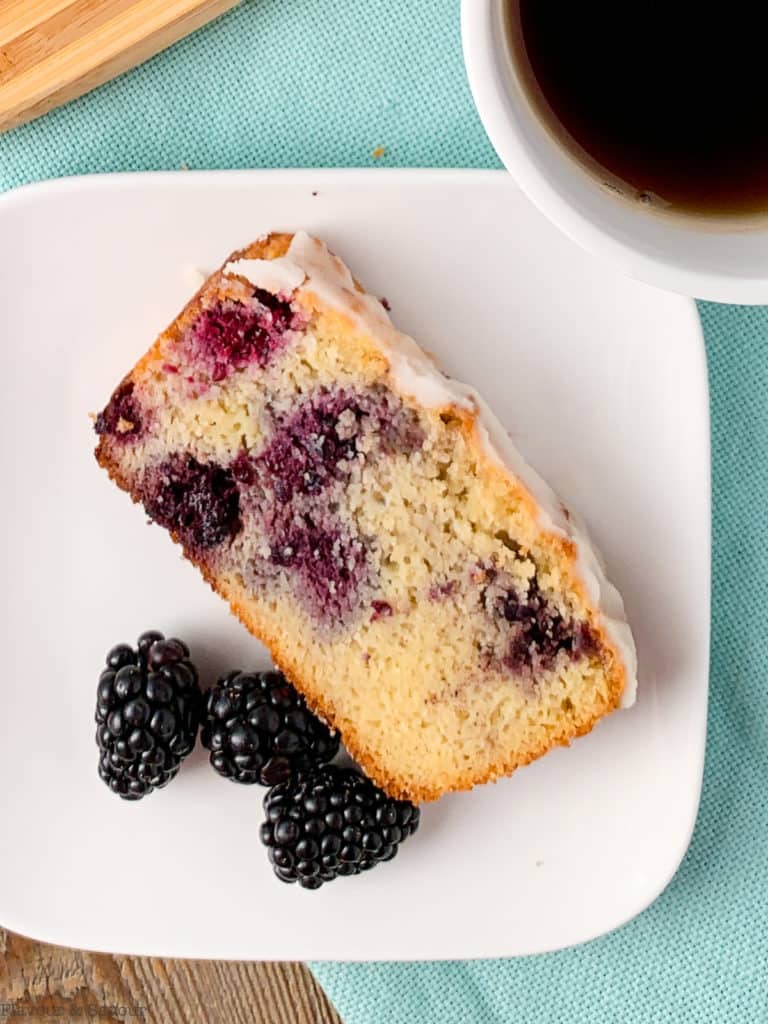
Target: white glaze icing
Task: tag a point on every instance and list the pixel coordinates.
(281, 276)
(309, 265)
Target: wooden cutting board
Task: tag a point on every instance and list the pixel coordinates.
(54, 50)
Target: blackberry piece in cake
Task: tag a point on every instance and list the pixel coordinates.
(371, 522)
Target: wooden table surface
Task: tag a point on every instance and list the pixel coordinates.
(42, 984)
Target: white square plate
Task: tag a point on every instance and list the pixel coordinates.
(602, 383)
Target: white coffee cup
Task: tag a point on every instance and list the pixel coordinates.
(725, 260)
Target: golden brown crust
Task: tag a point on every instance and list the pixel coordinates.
(562, 551)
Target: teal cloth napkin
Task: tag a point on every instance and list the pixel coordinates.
(280, 83)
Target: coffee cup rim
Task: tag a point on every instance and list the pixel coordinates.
(725, 261)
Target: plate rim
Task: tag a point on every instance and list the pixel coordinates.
(269, 175)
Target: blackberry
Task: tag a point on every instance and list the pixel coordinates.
(259, 729)
(332, 821)
(147, 714)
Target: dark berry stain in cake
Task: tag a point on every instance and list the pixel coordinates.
(328, 562)
(442, 591)
(243, 469)
(305, 453)
(586, 642)
(532, 632)
(196, 500)
(231, 335)
(318, 443)
(122, 416)
(296, 486)
(380, 610)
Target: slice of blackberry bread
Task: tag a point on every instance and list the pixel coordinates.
(371, 522)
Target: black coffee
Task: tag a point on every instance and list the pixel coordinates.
(669, 96)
